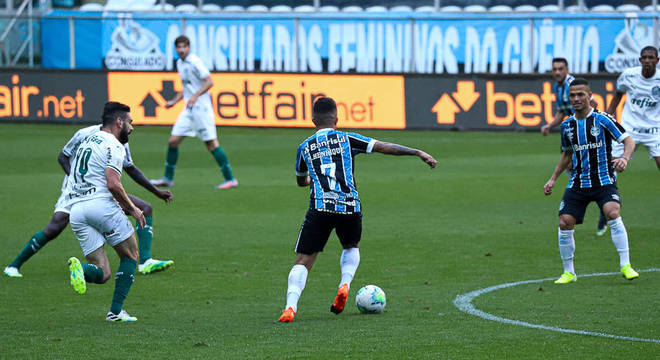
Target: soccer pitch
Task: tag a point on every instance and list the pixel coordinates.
(480, 219)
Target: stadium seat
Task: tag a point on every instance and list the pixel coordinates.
(602, 8)
(475, 8)
(500, 9)
(628, 8)
(401, 8)
(525, 8)
(257, 8)
(329, 8)
(651, 8)
(451, 8)
(549, 8)
(211, 8)
(281, 9)
(377, 8)
(186, 8)
(304, 8)
(233, 8)
(91, 7)
(142, 5)
(351, 9)
(573, 8)
(425, 8)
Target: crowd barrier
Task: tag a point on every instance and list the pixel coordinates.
(466, 102)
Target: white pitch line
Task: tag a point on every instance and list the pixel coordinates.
(464, 303)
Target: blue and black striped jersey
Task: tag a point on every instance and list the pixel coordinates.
(562, 100)
(590, 140)
(328, 158)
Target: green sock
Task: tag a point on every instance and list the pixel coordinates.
(93, 273)
(123, 281)
(37, 241)
(170, 163)
(145, 235)
(221, 158)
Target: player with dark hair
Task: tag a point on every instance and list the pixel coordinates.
(560, 89)
(641, 112)
(97, 201)
(325, 163)
(586, 141)
(60, 218)
(197, 119)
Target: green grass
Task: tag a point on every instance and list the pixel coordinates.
(479, 219)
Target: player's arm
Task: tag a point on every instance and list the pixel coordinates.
(65, 162)
(564, 161)
(615, 103)
(303, 181)
(208, 83)
(620, 164)
(559, 117)
(174, 100)
(137, 176)
(396, 149)
(113, 178)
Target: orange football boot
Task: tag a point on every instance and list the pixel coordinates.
(340, 300)
(287, 315)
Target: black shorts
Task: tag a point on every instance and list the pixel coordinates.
(317, 226)
(575, 201)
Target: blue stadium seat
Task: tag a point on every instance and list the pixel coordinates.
(211, 8)
(602, 8)
(352, 8)
(628, 8)
(500, 9)
(425, 8)
(91, 7)
(401, 8)
(376, 8)
(256, 8)
(451, 8)
(525, 8)
(281, 9)
(304, 8)
(475, 8)
(329, 8)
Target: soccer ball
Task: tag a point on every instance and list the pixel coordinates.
(370, 300)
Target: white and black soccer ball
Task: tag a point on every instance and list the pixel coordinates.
(370, 300)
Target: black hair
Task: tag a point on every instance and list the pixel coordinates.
(324, 110)
(182, 39)
(579, 81)
(112, 110)
(649, 48)
(561, 60)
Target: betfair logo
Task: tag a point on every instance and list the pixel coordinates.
(17, 100)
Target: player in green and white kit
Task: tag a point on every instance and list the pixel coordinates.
(197, 119)
(60, 218)
(98, 201)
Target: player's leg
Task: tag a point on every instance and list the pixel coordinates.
(657, 161)
(91, 242)
(128, 252)
(571, 212)
(208, 133)
(610, 203)
(145, 237)
(57, 223)
(349, 232)
(312, 238)
(170, 161)
(122, 239)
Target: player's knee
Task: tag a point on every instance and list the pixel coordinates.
(146, 208)
(56, 225)
(566, 223)
(106, 276)
(612, 214)
(173, 142)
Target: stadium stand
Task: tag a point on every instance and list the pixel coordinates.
(497, 6)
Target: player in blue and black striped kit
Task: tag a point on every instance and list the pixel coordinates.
(586, 140)
(325, 163)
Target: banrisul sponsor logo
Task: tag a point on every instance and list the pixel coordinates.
(635, 35)
(134, 48)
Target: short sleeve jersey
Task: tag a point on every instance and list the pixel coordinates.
(328, 158)
(641, 109)
(193, 72)
(72, 146)
(562, 101)
(87, 180)
(590, 141)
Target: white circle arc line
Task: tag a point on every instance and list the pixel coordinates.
(464, 303)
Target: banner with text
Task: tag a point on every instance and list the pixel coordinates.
(269, 100)
(350, 43)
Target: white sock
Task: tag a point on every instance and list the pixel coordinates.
(349, 262)
(567, 249)
(620, 240)
(297, 280)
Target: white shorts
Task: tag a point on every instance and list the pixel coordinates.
(60, 206)
(196, 122)
(99, 221)
(650, 140)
